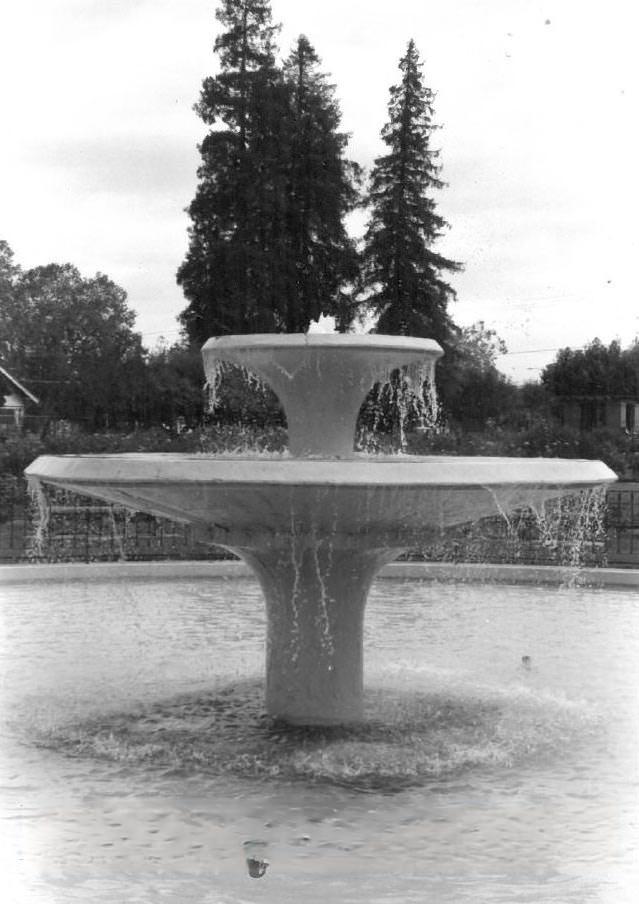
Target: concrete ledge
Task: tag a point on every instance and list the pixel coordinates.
(82, 571)
(512, 574)
(425, 571)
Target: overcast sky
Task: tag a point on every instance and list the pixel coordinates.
(537, 102)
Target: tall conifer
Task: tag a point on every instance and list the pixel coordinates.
(321, 259)
(217, 273)
(402, 274)
(268, 248)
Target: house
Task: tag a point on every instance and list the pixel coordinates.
(16, 400)
(592, 412)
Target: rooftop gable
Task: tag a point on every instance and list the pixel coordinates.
(17, 385)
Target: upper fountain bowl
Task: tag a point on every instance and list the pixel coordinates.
(322, 379)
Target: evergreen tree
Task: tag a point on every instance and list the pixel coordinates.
(320, 258)
(268, 249)
(402, 274)
(218, 274)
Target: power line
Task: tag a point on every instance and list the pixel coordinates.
(534, 351)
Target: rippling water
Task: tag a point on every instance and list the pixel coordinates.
(138, 765)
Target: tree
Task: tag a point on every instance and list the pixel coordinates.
(595, 370)
(268, 250)
(470, 387)
(71, 341)
(402, 273)
(9, 277)
(174, 385)
(9, 272)
(220, 275)
(320, 260)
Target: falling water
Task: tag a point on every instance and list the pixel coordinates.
(119, 537)
(572, 526)
(222, 368)
(322, 566)
(296, 554)
(408, 398)
(322, 570)
(569, 532)
(41, 516)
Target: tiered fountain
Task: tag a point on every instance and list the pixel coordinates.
(317, 526)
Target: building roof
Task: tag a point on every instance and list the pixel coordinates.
(17, 385)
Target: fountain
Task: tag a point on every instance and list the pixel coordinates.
(317, 525)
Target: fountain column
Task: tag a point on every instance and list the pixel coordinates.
(315, 593)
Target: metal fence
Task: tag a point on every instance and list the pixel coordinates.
(75, 528)
(623, 525)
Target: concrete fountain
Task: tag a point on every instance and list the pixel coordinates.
(318, 524)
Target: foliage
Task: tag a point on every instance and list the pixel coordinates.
(9, 276)
(218, 275)
(596, 370)
(17, 451)
(471, 389)
(268, 250)
(9, 271)
(542, 438)
(70, 340)
(11, 491)
(479, 347)
(319, 259)
(174, 386)
(401, 271)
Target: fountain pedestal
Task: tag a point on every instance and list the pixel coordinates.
(315, 593)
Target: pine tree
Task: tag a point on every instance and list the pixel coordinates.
(218, 274)
(401, 271)
(320, 258)
(268, 250)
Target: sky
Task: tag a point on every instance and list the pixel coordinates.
(536, 101)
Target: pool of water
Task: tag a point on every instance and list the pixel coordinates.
(137, 764)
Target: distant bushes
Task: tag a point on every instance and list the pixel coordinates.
(19, 450)
(543, 439)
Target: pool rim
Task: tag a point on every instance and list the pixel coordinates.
(226, 568)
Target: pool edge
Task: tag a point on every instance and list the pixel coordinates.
(427, 571)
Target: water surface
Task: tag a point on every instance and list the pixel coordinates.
(137, 761)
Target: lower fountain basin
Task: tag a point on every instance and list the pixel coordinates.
(395, 496)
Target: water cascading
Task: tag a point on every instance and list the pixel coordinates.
(317, 526)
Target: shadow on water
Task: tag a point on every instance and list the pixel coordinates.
(406, 740)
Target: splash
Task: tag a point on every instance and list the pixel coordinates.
(407, 739)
